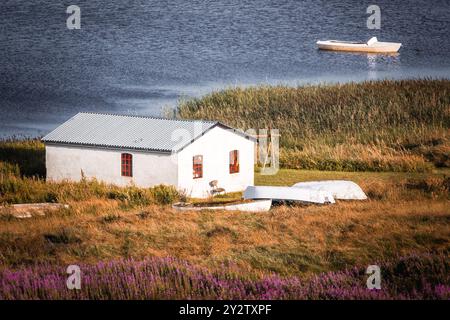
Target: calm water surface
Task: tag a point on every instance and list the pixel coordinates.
(143, 56)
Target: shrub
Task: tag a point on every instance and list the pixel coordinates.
(7, 169)
(117, 195)
(111, 217)
(431, 185)
(15, 189)
(163, 194)
(144, 214)
(138, 196)
(63, 236)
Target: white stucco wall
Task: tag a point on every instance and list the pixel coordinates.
(67, 162)
(215, 146)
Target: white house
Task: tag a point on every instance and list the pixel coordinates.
(146, 151)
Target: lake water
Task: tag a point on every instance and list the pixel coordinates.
(142, 56)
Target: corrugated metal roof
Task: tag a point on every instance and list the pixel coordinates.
(131, 132)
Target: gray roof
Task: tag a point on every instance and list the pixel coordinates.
(130, 132)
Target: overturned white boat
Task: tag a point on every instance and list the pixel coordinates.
(248, 206)
(288, 194)
(339, 189)
(373, 45)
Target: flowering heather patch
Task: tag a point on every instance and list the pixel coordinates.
(411, 277)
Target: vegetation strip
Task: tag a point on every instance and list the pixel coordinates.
(391, 125)
(411, 277)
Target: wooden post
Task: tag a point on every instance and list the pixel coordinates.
(269, 147)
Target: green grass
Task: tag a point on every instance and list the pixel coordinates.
(370, 126)
(383, 186)
(287, 177)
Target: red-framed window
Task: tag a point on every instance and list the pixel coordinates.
(127, 165)
(234, 161)
(197, 166)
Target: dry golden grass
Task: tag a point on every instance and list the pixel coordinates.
(404, 215)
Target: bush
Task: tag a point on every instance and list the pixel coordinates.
(63, 236)
(138, 196)
(7, 169)
(111, 217)
(51, 197)
(14, 189)
(431, 185)
(163, 194)
(117, 195)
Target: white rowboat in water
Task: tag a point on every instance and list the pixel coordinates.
(288, 194)
(373, 45)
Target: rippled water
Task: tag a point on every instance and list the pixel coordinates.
(141, 56)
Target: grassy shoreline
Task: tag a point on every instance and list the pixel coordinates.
(291, 252)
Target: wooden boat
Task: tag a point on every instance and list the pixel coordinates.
(373, 45)
(288, 194)
(339, 189)
(250, 206)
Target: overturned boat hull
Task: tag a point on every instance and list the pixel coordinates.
(288, 194)
(339, 189)
(252, 206)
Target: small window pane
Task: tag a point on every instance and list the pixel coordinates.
(234, 161)
(127, 165)
(197, 166)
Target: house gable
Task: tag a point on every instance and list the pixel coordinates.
(215, 148)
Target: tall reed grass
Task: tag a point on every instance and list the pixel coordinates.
(26, 155)
(400, 125)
